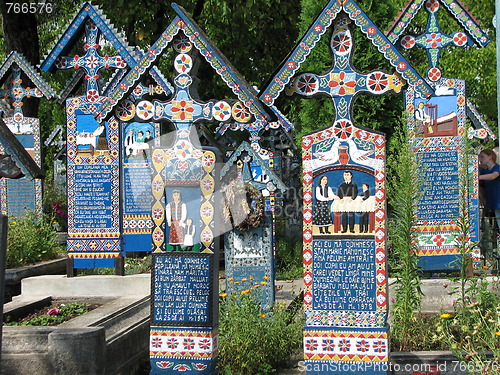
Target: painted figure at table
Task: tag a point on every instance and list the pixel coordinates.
(364, 217)
(490, 174)
(324, 195)
(129, 142)
(348, 191)
(176, 213)
(148, 139)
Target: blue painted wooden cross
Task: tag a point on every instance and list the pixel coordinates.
(433, 40)
(343, 82)
(17, 93)
(183, 110)
(91, 62)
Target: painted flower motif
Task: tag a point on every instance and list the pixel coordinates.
(182, 44)
(343, 129)
(208, 160)
(206, 235)
(307, 84)
(182, 110)
(92, 62)
(92, 95)
(362, 346)
(377, 82)
(188, 344)
(311, 345)
(432, 5)
(157, 213)
(156, 342)
(158, 236)
(328, 345)
(433, 40)
(379, 346)
(341, 43)
(183, 165)
(344, 345)
(61, 63)
(172, 343)
(438, 240)
(158, 185)
(119, 62)
(205, 344)
(207, 211)
(240, 112)
(342, 83)
(459, 39)
(183, 63)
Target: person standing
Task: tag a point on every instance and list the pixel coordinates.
(348, 191)
(176, 213)
(490, 175)
(324, 195)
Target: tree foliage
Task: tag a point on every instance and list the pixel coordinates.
(256, 36)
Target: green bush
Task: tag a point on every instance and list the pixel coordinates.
(254, 341)
(30, 240)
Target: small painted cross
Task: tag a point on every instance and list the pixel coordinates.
(433, 40)
(91, 62)
(17, 93)
(343, 82)
(183, 110)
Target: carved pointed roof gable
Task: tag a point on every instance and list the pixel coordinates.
(17, 60)
(456, 9)
(292, 63)
(233, 79)
(207, 49)
(76, 29)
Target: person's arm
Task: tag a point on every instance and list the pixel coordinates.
(489, 176)
(168, 214)
(354, 191)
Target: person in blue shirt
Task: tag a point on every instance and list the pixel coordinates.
(489, 173)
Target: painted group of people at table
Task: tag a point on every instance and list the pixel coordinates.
(347, 192)
(138, 145)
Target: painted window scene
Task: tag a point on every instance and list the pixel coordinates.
(138, 141)
(91, 137)
(182, 219)
(344, 202)
(437, 117)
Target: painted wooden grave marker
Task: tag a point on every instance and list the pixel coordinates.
(93, 149)
(250, 244)
(185, 208)
(438, 135)
(344, 235)
(22, 81)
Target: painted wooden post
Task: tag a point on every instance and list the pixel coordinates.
(23, 195)
(93, 148)
(344, 199)
(438, 135)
